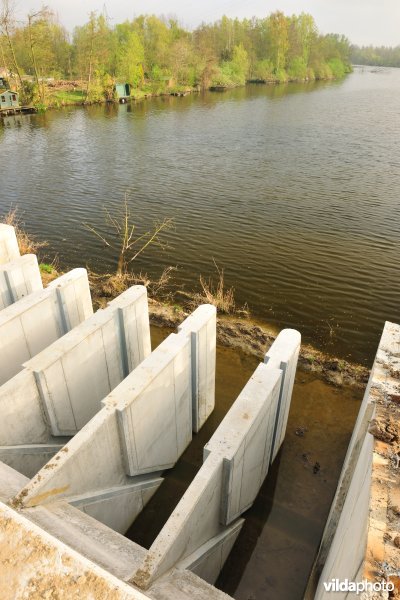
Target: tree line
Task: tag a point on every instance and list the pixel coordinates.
(382, 56)
(155, 54)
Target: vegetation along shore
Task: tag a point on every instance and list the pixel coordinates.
(153, 56)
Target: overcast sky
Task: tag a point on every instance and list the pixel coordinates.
(364, 22)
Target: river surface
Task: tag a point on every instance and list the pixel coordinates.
(292, 189)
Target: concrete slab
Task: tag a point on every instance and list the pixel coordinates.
(77, 371)
(32, 562)
(208, 560)
(18, 279)
(89, 471)
(184, 585)
(244, 441)
(284, 354)
(195, 521)
(34, 322)
(154, 408)
(8, 244)
(133, 313)
(201, 326)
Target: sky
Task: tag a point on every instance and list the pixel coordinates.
(364, 22)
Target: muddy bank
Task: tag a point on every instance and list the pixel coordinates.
(237, 332)
(253, 338)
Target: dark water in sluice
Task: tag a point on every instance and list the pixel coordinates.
(273, 555)
(293, 189)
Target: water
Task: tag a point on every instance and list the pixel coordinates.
(293, 189)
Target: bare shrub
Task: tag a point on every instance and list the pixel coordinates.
(129, 243)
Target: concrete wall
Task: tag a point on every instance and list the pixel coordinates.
(353, 518)
(284, 354)
(244, 440)
(8, 244)
(348, 548)
(34, 322)
(76, 372)
(19, 278)
(144, 427)
(61, 388)
(154, 408)
(204, 526)
(201, 326)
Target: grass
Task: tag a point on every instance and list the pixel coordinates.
(216, 293)
(46, 268)
(65, 97)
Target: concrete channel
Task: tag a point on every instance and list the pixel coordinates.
(106, 418)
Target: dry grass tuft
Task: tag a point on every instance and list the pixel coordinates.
(109, 286)
(216, 293)
(26, 242)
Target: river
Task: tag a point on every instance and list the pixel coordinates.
(292, 189)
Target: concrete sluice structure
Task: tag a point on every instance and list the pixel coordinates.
(361, 541)
(85, 391)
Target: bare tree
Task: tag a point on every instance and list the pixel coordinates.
(129, 243)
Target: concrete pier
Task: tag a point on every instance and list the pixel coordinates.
(8, 244)
(62, 387)
(34, 322)
(18, 279)
(205, 524)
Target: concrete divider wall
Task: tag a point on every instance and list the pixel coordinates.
(244, 440)
(342, 552)
(347, 552)
(203, 527)
(77, 371)
(8, 244)
(154, 414)
(194, 522)
(144, 427)
(284, 354)
(19, 278)
(34, 322)
(61, 388)
(201, 326)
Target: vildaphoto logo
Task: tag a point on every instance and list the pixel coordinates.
(338, 585)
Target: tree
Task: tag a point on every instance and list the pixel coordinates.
(7, 26)
(37, 34)
(130, 56)
(126, 241)
(278, 40)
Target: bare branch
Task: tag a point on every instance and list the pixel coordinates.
(92, 230)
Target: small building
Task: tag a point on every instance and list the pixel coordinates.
(122, 91)
(9, 99)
